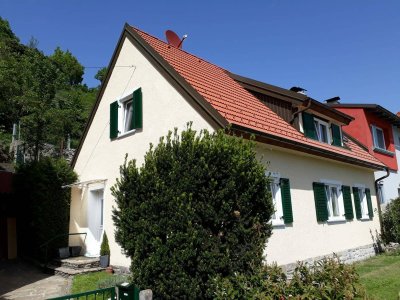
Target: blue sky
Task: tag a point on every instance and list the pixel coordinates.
(340, 48)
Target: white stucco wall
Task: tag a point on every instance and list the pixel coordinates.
(306, 238)
(163, 110)
(391, 184)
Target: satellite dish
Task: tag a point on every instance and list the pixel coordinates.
(173, 39)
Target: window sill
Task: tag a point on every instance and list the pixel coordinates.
(365, 218)
(130, 132)
(336, 220)
(277, 223)
(383, 151)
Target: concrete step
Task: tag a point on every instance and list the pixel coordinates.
(66, 272)
(77, 263)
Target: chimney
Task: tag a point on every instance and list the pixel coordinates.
(299, 90)
(334, 100)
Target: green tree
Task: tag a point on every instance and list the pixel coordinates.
(44, 203)
(101, 74)
(196, 209)
(69, 65)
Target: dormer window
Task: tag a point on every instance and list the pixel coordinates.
(378, 137)
(321, 130)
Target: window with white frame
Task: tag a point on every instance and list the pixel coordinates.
(275, 189)
(322, 130)
(363, 201)
(334, 201)
(126, 114)
(378, 137)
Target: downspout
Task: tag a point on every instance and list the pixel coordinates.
(378, 196)
(300, 110)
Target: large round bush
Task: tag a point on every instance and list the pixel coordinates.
(196, 209)
(391, 222)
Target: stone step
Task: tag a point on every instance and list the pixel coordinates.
(77, 263)
(67, 272)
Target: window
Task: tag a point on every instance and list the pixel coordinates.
(332, 201)
(398, 190)
(362, 202)
(378, 137)
(320, 130)
(380, 193)
(332, 195)
(126, 114)
(281, 198)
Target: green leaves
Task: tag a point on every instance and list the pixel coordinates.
(43, 204)
(391, 222)
(42, 93)
(197, 207)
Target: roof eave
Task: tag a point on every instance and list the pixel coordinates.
(290, 144)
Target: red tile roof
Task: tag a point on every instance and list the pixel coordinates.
(236, 104)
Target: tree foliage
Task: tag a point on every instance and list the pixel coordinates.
(391, 222)
(197, 208)
(41, 93)
(69, 65)
(44, 204)
(101, 74)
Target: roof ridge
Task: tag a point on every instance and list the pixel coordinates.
(191, 54)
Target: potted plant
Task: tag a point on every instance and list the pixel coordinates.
(104, 252)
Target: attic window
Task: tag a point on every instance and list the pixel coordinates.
(126, 115)
(320, 130)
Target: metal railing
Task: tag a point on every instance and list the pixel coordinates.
(46, 244)
(103, 294)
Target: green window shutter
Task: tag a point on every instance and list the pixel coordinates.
(336, 137)
(309, 126)
(137, 109)
(321, 207)
(286, 201)
(369, 203)
(114, 120)
(348, 206)
(357, 203)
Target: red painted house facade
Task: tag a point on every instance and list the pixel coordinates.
(377, 130)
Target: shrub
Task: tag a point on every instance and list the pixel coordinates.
(391, 222)
(104, 248)
(197, 208)
(44, 205)
(111, 281)
(325, 279)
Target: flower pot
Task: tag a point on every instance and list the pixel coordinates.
(104, 261)
(75, 250)
(63, 252)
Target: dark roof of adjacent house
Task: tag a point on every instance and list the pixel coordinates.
(225, 101)
(376, 109)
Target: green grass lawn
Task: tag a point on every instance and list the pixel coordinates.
(87, 282)
(381, 276)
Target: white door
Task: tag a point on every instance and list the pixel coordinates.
(95, 222)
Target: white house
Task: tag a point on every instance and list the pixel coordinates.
(323, 185)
